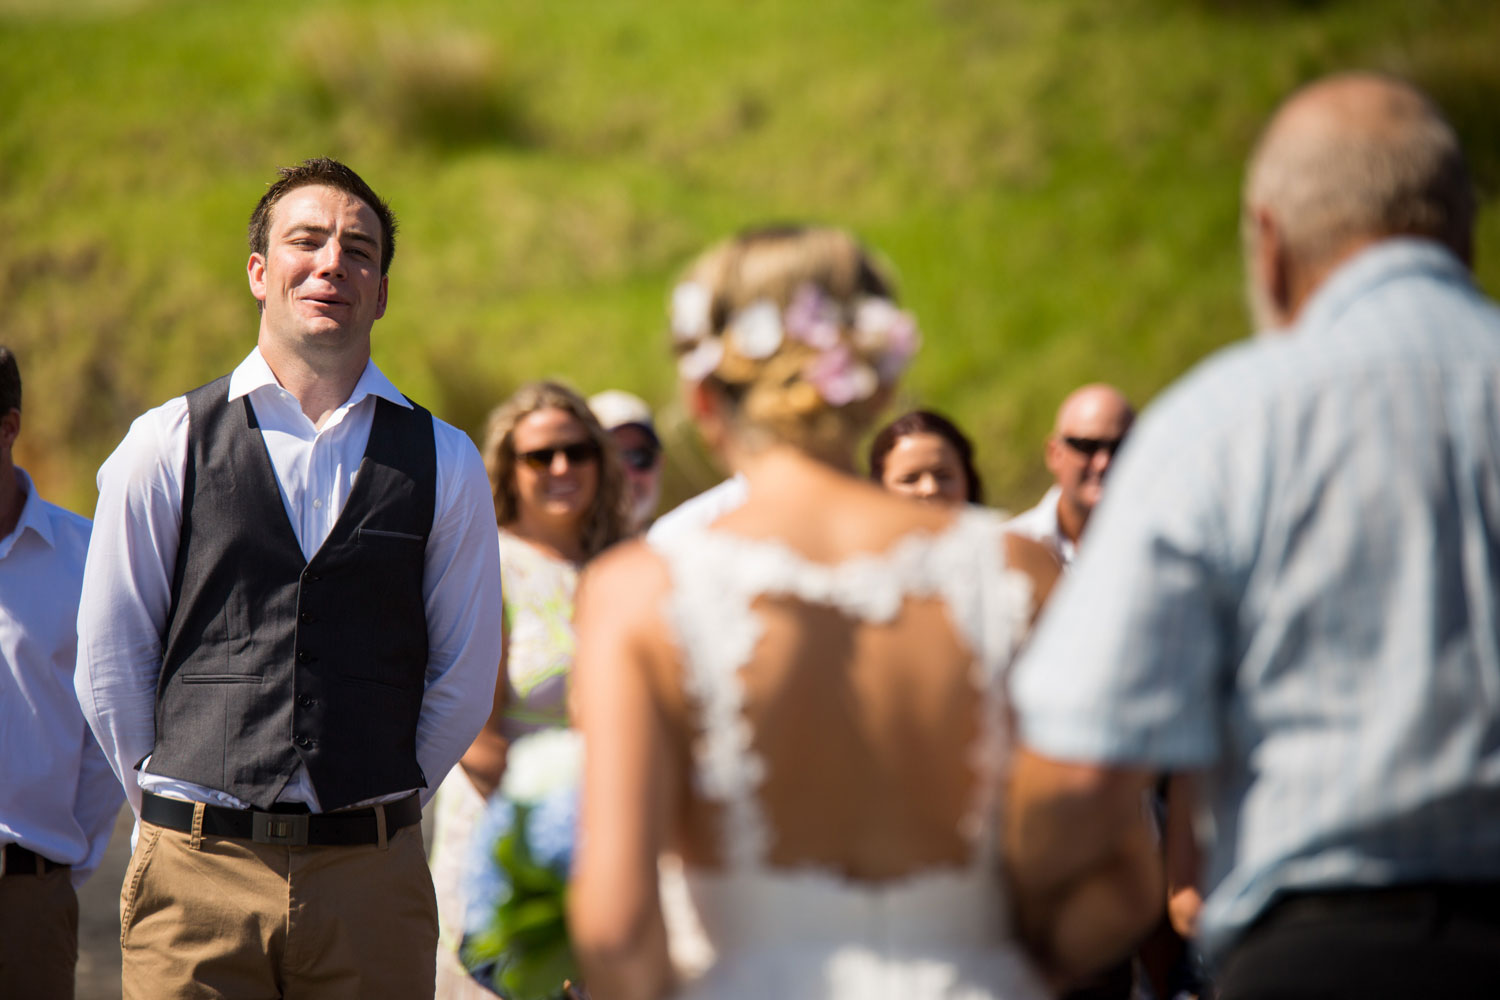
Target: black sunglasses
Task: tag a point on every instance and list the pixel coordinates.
(1087, 446)
(639, 459)
(541, 459)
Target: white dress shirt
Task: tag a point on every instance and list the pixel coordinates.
(58, 796)
(1040, 524)
(701, 510)
(132, 559)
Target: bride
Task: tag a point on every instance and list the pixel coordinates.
(804, 699)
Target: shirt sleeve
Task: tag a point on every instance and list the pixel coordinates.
(127, 584)
(95, 804)
(1130, 660)
(461, 587)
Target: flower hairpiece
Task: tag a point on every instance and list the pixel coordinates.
(882, 340)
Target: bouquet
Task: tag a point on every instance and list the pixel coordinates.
(515, 929)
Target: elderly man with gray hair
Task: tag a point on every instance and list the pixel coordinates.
(1307, 525)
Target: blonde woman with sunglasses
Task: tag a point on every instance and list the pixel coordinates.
(559, 500)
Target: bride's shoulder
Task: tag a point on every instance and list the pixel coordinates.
(628, 574)
(1035, 561)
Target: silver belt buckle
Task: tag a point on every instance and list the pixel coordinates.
(288, 829)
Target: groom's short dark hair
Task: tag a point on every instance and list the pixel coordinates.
(330, 172)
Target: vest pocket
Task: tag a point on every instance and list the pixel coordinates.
(226, 647)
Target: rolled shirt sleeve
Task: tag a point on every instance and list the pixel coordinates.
(1130, 661)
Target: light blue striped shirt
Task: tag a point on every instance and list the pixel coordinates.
(1293, 585)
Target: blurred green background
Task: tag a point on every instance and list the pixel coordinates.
(1055, 183)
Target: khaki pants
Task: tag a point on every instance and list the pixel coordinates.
(229, 918)
(38, 935)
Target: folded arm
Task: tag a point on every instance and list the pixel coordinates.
(1084, 862)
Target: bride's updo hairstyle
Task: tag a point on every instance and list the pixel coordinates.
(796, 327)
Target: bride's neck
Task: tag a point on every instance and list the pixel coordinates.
(778, 464)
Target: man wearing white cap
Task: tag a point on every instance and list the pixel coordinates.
(628, 420)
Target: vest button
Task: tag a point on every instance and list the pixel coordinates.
(303, 656)
(305, 617)
(306, 701)
(312, 578)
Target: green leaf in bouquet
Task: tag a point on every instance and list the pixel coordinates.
(533, 923)
(539, 975)
(536, 881)
(483, 946)
(511, 852)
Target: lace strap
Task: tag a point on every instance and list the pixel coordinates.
(716, 632)
(999, 611)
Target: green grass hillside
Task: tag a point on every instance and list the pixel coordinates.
(1055, 183)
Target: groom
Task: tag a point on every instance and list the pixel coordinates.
(288, 634)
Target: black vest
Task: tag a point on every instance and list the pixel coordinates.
(272, 660)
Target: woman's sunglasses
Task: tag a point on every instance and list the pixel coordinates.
(541, 459)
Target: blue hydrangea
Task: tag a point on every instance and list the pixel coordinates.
(488, 887)
(550, 831)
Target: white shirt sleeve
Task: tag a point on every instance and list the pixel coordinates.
(461, 587)
(96, 802)
(127, 588)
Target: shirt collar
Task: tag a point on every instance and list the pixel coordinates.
(1375, 265)
(253, 373)
(33, 516)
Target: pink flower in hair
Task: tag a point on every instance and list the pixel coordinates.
(887, 333)
(813, 318)
(840, 378)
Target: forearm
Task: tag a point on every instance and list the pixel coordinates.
(484, 761)
(1098, 917)
(626, 962)
(1084, 862)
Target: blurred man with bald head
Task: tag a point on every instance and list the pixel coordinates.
(1294, 593)
(1091, 425)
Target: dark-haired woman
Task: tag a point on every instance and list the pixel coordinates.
(923, 455)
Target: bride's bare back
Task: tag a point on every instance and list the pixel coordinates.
(813, 684)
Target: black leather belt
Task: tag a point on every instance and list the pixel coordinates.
(346, 828)
(17, 860)
(1478, 900)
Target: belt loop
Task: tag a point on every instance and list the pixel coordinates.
(196, 843)
(380, 838)
(41, 864)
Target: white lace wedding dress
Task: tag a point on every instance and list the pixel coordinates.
(806, 930)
